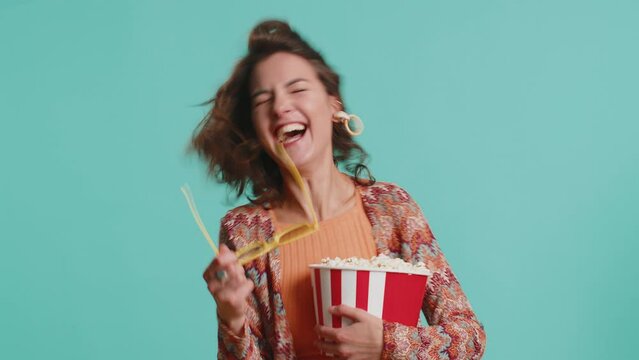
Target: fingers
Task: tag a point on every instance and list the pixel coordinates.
(234, 295)
(349, 311)
(247, 287)
(223, 261)
(227, 282)
(227, 261)
(363, 339)
(225, 271)
(334, 334)
(325, 332)
(334, 350)
(226, 258)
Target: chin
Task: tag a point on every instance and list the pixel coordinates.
(302, 160)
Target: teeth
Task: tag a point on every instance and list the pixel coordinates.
(281, 133)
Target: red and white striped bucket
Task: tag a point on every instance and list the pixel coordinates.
(391, 295)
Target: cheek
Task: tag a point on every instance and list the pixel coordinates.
(323, 129)
(320, 110)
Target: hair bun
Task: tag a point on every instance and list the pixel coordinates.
(271, 31)
(270, 27)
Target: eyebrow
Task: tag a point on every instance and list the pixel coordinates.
(263, 91)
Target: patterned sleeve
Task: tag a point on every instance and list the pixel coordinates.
(453, 331)
(246, 345)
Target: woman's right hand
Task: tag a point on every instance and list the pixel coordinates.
(230, 288)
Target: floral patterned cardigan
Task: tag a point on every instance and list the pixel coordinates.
(399, 230)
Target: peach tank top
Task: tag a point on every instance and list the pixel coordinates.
(348, 234)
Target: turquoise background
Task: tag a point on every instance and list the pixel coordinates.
(512, 123)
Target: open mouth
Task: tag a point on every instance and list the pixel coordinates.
(290, 133)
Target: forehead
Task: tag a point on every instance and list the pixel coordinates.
(280, 68)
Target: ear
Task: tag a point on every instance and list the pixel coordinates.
(335, 104)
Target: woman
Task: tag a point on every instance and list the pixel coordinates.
(283, 91)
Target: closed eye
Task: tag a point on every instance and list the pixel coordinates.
(259, 101)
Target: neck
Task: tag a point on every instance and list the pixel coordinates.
(330, 192)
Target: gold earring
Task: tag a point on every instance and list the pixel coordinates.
(346, 119)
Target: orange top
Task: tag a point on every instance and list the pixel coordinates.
(348, 234)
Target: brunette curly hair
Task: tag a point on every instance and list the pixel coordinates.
(227, 141)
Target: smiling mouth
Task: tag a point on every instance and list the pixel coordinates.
(291, 132)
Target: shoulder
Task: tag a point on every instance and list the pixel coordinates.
(396, 218)
(385, 193)
(385, 199)
(246, 211)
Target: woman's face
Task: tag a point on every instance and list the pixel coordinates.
(290, 102)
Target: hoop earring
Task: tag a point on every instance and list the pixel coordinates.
(345, 119)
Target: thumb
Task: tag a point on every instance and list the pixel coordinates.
(225, 251)
(349, 312)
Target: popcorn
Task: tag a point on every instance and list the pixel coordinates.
(380, 262)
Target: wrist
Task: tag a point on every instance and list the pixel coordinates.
(236, 325)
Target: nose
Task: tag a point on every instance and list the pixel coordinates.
(282, 104)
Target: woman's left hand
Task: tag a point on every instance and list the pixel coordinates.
(363, 339)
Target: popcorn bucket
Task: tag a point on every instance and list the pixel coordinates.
(388, 294)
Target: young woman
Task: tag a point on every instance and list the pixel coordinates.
(283, 91)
